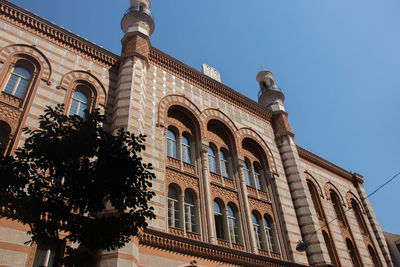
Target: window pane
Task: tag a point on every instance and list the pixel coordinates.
(81, 97)
(230, 212)
(24, 73)
(171, 144)
(21, 88)
(211, 160)
(73, 110)
(12, 81)
(224, 164)
(185, 149)
(246, 173)
(217, 208)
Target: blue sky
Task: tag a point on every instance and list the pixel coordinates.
(338, 63)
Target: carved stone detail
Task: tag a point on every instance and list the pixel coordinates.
(260, 206)
(184, 181)
(224, 194)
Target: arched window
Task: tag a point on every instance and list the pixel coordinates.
(329, 246)
(171, 144)
(19, 81)
(257, 231)
(212, 166)
(270, 234)
(3, 139)
(219, 221)
(173, 207)
(190, 212)
(373, 256)
(233, 224)
(79, 102)
(315, 199)
(338, 208)
(257, 175)
(359, 217)
(224, 164)
(353, 254)
(246, 173)
(185, 147)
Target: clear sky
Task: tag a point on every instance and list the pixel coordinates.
(338, 63)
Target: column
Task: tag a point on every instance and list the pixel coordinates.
(253, 240)
(207, 193)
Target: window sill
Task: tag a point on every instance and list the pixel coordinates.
(10, 99)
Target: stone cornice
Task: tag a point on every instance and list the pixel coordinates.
(197, 248)
(212, 86)
(56, 34)
(307, 155)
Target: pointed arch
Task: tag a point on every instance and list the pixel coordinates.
(10, 51)
(178, 100)
(328, 187)
(69, 79)
(314, 181)
(349, 196)
(253, 135)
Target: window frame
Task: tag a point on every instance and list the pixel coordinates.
(173, 206)
(172, 144)
(190, 212)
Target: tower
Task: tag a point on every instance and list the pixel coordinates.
(271, 97)
(137, 25)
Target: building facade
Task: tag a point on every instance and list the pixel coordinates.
(232, 186)
(393, 242)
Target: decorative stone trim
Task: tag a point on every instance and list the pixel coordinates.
(213, 87)
(169, 242)
(307, 155)
(56, 34)
(68, 81)
(10, 51)
(315, 183)
(328, 187)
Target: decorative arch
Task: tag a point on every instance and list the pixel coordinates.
(215, 114)
(179, 100)
(251, 134)
(328, 187)
(314, 181)
(68, 80)
(349, 196)
(22, 49)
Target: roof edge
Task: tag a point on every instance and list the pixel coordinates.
(22, 17)
(214, 87)
(305, 154)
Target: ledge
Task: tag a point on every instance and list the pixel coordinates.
(307, 155)
(53, 33)
(162, 240)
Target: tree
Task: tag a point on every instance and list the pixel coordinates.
(75, 182)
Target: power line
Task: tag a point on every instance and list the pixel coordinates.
(376, 190)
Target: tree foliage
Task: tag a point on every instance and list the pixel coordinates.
(76, 182)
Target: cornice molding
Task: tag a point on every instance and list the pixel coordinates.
(197, 248)
(307, 155)
(213, 87)
(56, 34)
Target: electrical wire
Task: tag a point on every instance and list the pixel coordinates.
(376, 190)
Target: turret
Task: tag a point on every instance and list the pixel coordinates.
(270, 96)
(137, 25)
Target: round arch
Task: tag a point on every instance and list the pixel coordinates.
(244, 133)
(8, 52)
(178, 100)
(351, 196)
(69, 79)
(328, 187)
(314, 181)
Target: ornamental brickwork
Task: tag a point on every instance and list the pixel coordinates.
(242, 185)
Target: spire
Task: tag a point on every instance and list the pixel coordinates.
(270, 95)
(138, 18)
